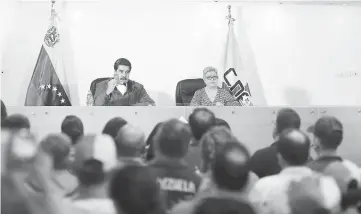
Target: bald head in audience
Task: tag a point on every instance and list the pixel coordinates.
(130, 141)
(293, 148)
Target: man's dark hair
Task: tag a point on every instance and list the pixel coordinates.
(134, 190)
(16, 121)
(3, 111)
(287, 118)
(173, 138)
(221, 122)
(329, 131)
(73, 127)
(149, 155)
(91, 173)
(294, 147)
(230, 168)
(333, 141)
(113, 125)
(223, 206)
(122, 61)
(200, 121)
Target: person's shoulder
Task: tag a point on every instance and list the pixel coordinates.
(260, 153)
(135, 85)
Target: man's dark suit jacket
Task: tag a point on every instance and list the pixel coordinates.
(135, 95)
(264, 162)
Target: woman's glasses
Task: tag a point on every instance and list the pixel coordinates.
(212, 78)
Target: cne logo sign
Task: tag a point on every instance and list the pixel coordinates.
(240, 92)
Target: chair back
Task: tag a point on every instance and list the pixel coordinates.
(185, 90)
(95, 82)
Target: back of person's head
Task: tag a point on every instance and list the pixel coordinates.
(149, 153)
(3, 111)
(58, 147)
(95, 158)
(200, 121)
(113, 125)
(223, 206)
(134, 190)
(73, 127)
(328, 131)
(221, 122)
(16, 121)
(230, 168)
(287, 118)
(130, 141)
(173, 138)
(212, 142)
(293, 147)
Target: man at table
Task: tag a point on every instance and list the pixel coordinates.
(120, 90)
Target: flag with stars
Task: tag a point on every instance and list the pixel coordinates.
(49, 84)
(238, 77)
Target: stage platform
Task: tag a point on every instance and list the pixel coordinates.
(253, 126)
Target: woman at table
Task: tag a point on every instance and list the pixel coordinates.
(212, 95)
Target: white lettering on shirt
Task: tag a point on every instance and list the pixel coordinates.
(176, 184)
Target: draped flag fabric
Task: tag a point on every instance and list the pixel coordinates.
(244, 84)
(49, 84)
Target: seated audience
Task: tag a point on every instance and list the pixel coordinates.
(228, 175)
(328, 136)
(119, 90)
(212, 95)
(134, 190)
(73, 127)
(58, 146)
(113, 125)
(297, 189)
(13, 199)
(95, 158)
(213, 143)
(200, 121)
(130, 144)
(149, 150)
(264, 161)
(177, 180)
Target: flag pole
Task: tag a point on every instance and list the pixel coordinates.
(229, 17)
(53, 12)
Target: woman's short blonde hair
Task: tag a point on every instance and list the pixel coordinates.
(209, 69)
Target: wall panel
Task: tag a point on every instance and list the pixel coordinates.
(253, 126)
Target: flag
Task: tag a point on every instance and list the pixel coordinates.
(49, 84)
(244, 84)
